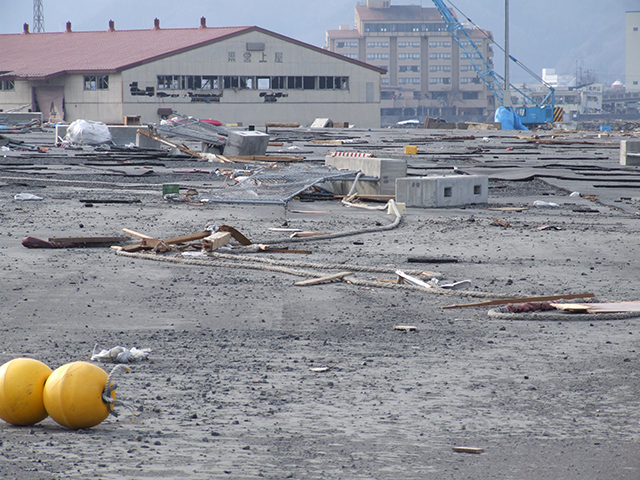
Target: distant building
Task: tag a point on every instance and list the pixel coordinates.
(427, 73)
(232, 74)
(574, 100)
(632, 57)
(550, 76)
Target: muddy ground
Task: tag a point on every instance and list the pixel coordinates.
(228, 392)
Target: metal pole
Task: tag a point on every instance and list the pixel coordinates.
(507, 94)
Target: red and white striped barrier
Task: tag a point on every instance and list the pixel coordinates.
(351, 154)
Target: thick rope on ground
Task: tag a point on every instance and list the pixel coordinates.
(306, 273)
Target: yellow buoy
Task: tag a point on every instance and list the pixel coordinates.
(73, 395)
(21, 384)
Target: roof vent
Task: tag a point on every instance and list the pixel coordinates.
(68, 30)
(25, 29)
(112, 26)
(156, 24)
(203, 22)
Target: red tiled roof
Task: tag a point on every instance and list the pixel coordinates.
(398, 13)
(44, 55)
(49, 54)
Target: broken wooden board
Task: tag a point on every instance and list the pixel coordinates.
(504, 301)
(72, 242)
(148, 242)
(405, 328)
(307, 234)
(468, 449)
(595, 308)
(411, 280)
(236, 235)
(325, 279)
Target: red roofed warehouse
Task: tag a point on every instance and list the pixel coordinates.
(233, 74)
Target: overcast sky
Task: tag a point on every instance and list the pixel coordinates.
(561, 34)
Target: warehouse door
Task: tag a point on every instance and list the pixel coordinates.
(50, 101)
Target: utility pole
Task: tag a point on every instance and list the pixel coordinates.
(507, 94)
(38, 17)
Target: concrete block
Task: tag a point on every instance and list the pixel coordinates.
(246, 143)
(19, 118)
(630, 152)
(387, 170)
(443, 191)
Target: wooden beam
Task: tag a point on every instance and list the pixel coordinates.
(326, 279)
(412, 280)
(504, 301)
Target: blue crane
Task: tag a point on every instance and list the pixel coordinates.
(533, 114)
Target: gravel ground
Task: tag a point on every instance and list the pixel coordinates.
(228, 392)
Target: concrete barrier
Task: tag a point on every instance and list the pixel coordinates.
(630, 152)
(443, 191)
(387, 170)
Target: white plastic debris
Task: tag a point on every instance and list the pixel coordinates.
(26, 196)
(86, 132)
(574, 194)
(485, 139)
(541, 204)
(120, 355)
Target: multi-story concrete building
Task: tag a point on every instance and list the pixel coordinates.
(632, 58)
(427, 72)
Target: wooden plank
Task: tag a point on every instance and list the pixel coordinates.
(187, 238)
(236, 234)
(326, 279)
(468, 450)
(613, 307)
(504, 301)
(135, 234)
(412, 280)
(89, 240)
(405, 328)
(307, 234)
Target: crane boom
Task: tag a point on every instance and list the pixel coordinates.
(540, 113)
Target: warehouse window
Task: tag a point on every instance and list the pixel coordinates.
(408, 44)
(96, 82)
(408, 56)
(439, 68)
(439, 44)
(168, 82)
(377, 56)
(278, 83)
(409, 68)
(409, 81)
(7, 85)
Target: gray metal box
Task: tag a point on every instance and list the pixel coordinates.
(246, 143)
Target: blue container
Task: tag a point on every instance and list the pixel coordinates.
(605, 128)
